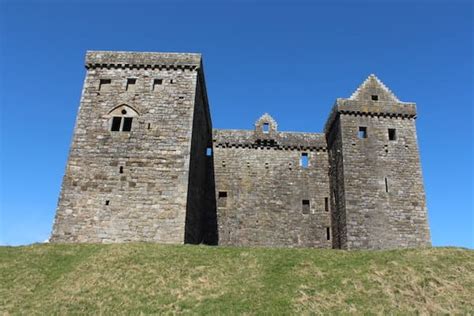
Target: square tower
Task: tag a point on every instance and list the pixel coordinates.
(376, 182)
(137, 167)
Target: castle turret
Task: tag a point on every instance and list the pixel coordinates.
(377, 193)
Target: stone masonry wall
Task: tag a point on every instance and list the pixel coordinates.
(130, 186)
(265, 186)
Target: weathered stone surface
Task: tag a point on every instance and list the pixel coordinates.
(156, 180)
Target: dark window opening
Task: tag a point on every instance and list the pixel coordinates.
(172, 81)
(326, 204)
(116, 122)
(208, 151)
(386, 185)
(266, 127)
(157, 82)
(107, 202)
(362, 132)
(328, 233)
(392, 134)
(130, 83)
(222, 199)
(121, 169)
(375, 97)
(305, 206)
(127, 124)
(104, 83)
(223, 163)
(149, 125)
(304, 160)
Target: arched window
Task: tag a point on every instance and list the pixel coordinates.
(122, 118)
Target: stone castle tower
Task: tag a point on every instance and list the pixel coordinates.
(146, 165)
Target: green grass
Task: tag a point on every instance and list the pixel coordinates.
(151, 278)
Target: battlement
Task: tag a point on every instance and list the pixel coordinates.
(113, 59)
(279, 141)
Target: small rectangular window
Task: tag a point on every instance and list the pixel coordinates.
(127, 124)
(386, 185)
(104, 84)
(208, 151)
(304, 160)
(116, 121)
(266, 127)
(375, 97)
(326, 204)
(131, 84)
(172, 81)
(222, 199)
(362, 132)
(392, 134)
(305, 207)
(328, 233)
(107, 202)
(156, 83)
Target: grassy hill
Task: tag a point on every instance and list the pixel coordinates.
(151, 278)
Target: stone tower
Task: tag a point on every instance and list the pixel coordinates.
(137, 167)
(377, 193)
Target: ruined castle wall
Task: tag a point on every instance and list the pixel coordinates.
(265, 186)
(383, 186)
(130, 186)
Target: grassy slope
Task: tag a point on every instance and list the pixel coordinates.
(151, 278)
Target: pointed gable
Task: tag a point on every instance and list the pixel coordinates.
(372, 89)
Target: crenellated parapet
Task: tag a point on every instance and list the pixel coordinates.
(142, 60)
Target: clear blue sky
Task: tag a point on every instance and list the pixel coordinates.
(291, 59)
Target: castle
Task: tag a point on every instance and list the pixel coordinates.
(145, 164)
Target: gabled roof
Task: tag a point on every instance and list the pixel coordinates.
(373, 86)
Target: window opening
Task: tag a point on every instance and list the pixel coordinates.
(304, 161)
(305, 206)
(386, 185)
(362, 132)
(104, 84)
(127, 124)
(326, 204)
(266, 127)
(131, 84)
(107, 202)
(328, 233)
(222, 199)
(116, 122)
(121, 169)
(375, 97)
(157, 82)
(392, 134)
(208, 151)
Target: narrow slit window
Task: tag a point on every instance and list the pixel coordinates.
(172, 81)
(127, 124)
(107, 202)
(104, 84)
(121, 169)
(392, 134)
(375, 97)
(305, 206)
(304, 160)
(362, 132)
(222, 199)
(156, 83)
(149, 126)
(328, 233)
(386, 185)
(208, 151)
(116, 122)
(131, 84)
(326, 204)
(266, 127)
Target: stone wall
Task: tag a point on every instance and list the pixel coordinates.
(128, 186)
(261, 186)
